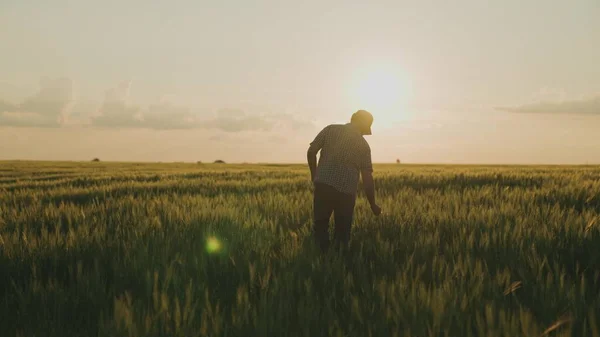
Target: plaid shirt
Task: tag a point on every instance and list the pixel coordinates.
(344, 153)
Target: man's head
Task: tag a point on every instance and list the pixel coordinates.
(363, 120)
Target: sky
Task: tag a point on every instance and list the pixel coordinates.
(508, 82)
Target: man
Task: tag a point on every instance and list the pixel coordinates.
(345, 155)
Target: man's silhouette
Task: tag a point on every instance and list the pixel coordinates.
(345, 156)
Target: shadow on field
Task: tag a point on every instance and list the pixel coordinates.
(68, 290)
(461, 181)
(87, 197)
(563, 265)
(80, 181)
(582, 200)
(84, 191)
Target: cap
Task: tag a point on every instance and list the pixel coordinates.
(365, 119)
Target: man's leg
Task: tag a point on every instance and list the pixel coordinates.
(343, 215)
(322, 209)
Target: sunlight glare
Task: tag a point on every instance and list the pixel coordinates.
(383, 90)
(213, 245)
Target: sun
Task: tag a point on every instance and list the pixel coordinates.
(379, 89)
(383, 90)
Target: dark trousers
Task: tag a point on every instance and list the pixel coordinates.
(328, 200)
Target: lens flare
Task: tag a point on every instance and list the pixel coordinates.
(213, 245)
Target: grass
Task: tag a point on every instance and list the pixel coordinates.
(107, 249)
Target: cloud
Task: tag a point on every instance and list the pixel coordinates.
(231, 113)
(238, 123)
(54, 106)
(54, 98)
(7, 107)
(288, 120)
(27, 119)
(235, 120)
(116, 112)
(590, 106)
(49, 107)
(549, 94)
(167, 116)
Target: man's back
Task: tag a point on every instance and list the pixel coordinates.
(344, 154)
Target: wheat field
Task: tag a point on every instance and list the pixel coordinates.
(126, 249)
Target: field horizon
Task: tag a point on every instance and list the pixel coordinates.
(292, 164)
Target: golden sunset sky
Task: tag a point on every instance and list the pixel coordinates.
(254, 81)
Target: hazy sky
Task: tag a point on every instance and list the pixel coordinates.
(447, 81)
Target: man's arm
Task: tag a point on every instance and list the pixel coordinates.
(369, 186)
(311, 157)
(311, 154)
(367, 178)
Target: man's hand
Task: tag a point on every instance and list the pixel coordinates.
(367, 176)
(376, 210)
